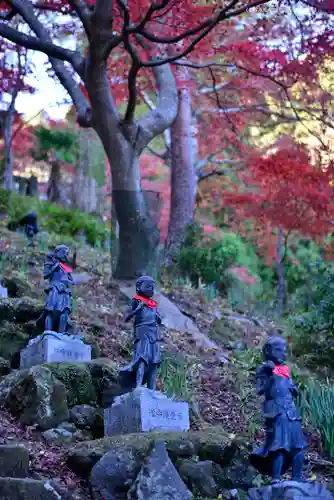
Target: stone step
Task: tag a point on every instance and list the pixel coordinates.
(14, 461)
(26, 489)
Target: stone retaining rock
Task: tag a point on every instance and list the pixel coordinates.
(82, 457)
(14, 461)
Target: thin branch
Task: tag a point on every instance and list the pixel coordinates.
(154, 7)
(207, 24)
(213, 172)
(83, 12)
(33, 43)
(163, 156)
(211, 64)
(84, 111)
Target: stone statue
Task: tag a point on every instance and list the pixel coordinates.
(146, 347)
(57, 307)
(285, 442)
(30, 225)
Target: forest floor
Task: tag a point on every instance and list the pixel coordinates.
(219, 393)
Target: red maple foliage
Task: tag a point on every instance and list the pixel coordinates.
(283, 189)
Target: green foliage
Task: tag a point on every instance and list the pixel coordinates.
(62, 143)
(4, 200)
(317, 406)
(174, 374)
(313, 337)
(204, 259)
(54, 218)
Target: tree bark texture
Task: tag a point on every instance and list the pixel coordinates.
(7, 119)
(54, 184)
(123, 143)
(86, 190)
(183, 178)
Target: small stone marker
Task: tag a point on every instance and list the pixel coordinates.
(3, 292)
(144, 410)
(52, 347)
(14, 461)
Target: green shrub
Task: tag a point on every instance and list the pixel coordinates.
(204, 259)
(174, 373)
(4, 200)
(54, 218)
(313, 337)
(317, 407)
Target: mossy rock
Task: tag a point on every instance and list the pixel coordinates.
(77, 381)
(35, 397)
(225, 331)
(18, 284)
(20, 310)
(13, 338)
(105, 376)
(84, 456)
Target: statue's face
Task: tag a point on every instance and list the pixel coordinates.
(277, 352)
(62, 253)
(145, 287)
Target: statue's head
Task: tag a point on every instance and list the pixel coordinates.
(32, 215)
(145, 286)
(62, 252)
(275, 349)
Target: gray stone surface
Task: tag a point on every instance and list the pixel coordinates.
(143, 410)
(113, 474)
(291, 490)
(14, 461)
(50, 348)
(3, 292)
(158, 479)
(26, 489)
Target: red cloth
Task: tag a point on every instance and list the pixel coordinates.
(282, 371)
(149, 302)
(66, 268)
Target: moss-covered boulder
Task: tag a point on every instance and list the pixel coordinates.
(35, 396)
(13, 338)
(77, 381)
(4, 367)
(85, 382)
(17, 284)
(84, 456)
(227, 332)
(20, 310)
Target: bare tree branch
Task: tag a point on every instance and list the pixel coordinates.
(160, 118)
(166, 132)
(33, 43)
(82, 10)
(26, 10)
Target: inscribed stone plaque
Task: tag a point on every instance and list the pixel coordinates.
(143, 410)
(3, 292)
(52, 350)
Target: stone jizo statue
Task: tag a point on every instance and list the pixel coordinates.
(146, 339)
(285, 442)
(57, 307)
(31, 228)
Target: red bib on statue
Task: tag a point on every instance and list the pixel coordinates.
(282, 371)
(152, 304)
(66, 268)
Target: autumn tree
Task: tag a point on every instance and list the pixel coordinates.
(113, 29)
(14, 68)
(283, 193)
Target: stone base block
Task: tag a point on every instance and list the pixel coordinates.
(144, 410)
(49, 348)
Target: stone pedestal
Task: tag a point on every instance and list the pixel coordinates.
(52, 347)
(144, 410)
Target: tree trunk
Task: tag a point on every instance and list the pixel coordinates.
(54, 184)
(280, 273)
(8, 162)
(183, 178)
(86, 188)
(123, 142)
